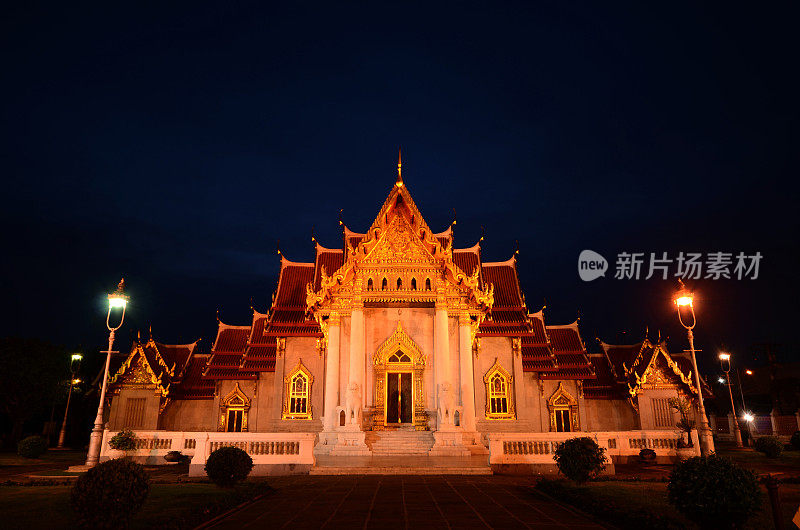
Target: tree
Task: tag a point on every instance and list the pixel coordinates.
(31, 371)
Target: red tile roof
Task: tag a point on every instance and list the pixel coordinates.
(570, 353)
(192, 384)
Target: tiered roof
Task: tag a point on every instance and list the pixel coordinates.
(557, 352)
(152, 363)
(623, 370)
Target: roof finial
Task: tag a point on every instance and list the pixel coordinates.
(341, 223)
(278, 246)
(483, 233)
(399, 182)
(150, 329)
(454, 218)
(139, 336)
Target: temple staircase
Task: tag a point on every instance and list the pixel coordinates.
(399, 442)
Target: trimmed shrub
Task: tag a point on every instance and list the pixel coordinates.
(123, 441)
(110, 494)
(228, 465)
(795, 441)
(647, 455)
(769, 445)
(32, 446)
(580, 459)
(714, 492)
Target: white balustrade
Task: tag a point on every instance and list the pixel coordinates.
(263, 448)
(539, 447)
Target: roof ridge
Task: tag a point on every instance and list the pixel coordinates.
(510, 261)
(320, 248)
(474, 248)
(288, 262)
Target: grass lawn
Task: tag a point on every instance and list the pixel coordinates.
(67, 458)
(167, 505)
(752, 459)
(651, 497)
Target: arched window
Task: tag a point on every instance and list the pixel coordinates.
(399, 283)
(384, 284)
(234, 410)
(499, 393)
(297, 389)
(369, 285)
(427, 284)
(413, 284)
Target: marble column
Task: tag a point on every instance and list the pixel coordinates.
(467, 379)
(332, 372)
(355, 389)
(441, 355)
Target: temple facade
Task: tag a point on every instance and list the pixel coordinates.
(398, 342)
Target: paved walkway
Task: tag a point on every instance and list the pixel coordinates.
(417, 502)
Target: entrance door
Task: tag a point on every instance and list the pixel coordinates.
(399, 404)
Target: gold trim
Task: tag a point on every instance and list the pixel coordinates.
(509, 392)
(287, 396)
(399, 341)
(563, 400)
(235, 400)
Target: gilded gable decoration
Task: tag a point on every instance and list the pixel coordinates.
(399, 259)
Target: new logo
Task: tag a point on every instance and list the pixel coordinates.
(591, 265)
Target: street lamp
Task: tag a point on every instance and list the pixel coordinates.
(684, 298)
(74, 366)
(725, 361)
(116, 300)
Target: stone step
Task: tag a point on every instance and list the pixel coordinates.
(397, 470)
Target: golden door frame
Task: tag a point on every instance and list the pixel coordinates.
(399, 343)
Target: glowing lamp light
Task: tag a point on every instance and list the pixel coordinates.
(721, 380)
(116, 301)
(683, 301)
(118, 298)
(76, 381)
(76, 357)
(748, 372)
(724, 356)
(748, 417)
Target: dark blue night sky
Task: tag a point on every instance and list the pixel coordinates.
(176, 144)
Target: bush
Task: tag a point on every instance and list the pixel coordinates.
(647, 455)
(32, 446)
(714, 492)
(123, 441)
(795, 441)
(228, 465)
(769, 445)
(580, 459)
(109, 494)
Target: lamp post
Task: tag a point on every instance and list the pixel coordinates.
(117, 299)
(744, 406)
(684, 298)
(74, 365)
(725, 362)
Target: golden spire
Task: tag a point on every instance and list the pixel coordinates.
(399, 182)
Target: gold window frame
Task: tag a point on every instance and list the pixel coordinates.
(235, 400)
(563, 400)
(498, 370)
(288, 394)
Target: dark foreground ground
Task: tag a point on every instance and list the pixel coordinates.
(386, 502)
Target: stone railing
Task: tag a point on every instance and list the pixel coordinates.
(263, 448)
(151, 446)
(538, 447)
(277, 448)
